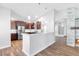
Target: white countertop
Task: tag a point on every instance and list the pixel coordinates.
(13, 31)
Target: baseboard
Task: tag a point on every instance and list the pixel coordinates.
(25, 52)
(5, 47)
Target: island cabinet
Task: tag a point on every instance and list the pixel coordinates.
(35, 43)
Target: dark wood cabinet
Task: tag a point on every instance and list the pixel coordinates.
(30, 25)
(38, 25)
(15, 24)
(14, 36)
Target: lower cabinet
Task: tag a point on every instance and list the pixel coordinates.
(35, 43)
(14, 36)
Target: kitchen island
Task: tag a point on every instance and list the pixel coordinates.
(35, 43)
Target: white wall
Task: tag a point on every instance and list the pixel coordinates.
(4, 28)
(48, 21)
(15, 16)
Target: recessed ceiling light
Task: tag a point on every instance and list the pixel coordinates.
(29, 17)
(38, 3)
(36, 16)
(45, 8)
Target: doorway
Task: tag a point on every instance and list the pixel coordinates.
(60, 32)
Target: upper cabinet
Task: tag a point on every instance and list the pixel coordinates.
(28, 25)
(38, 25)
(14, 24)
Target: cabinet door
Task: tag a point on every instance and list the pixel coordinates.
(14, 36)
(38, 25)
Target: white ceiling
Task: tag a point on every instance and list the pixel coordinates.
(35, 9)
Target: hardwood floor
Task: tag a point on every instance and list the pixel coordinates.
(57, 49)
(14, 50)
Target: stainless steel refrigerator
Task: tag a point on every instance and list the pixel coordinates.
(20, 30)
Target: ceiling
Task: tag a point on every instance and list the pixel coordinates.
(36, 9)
